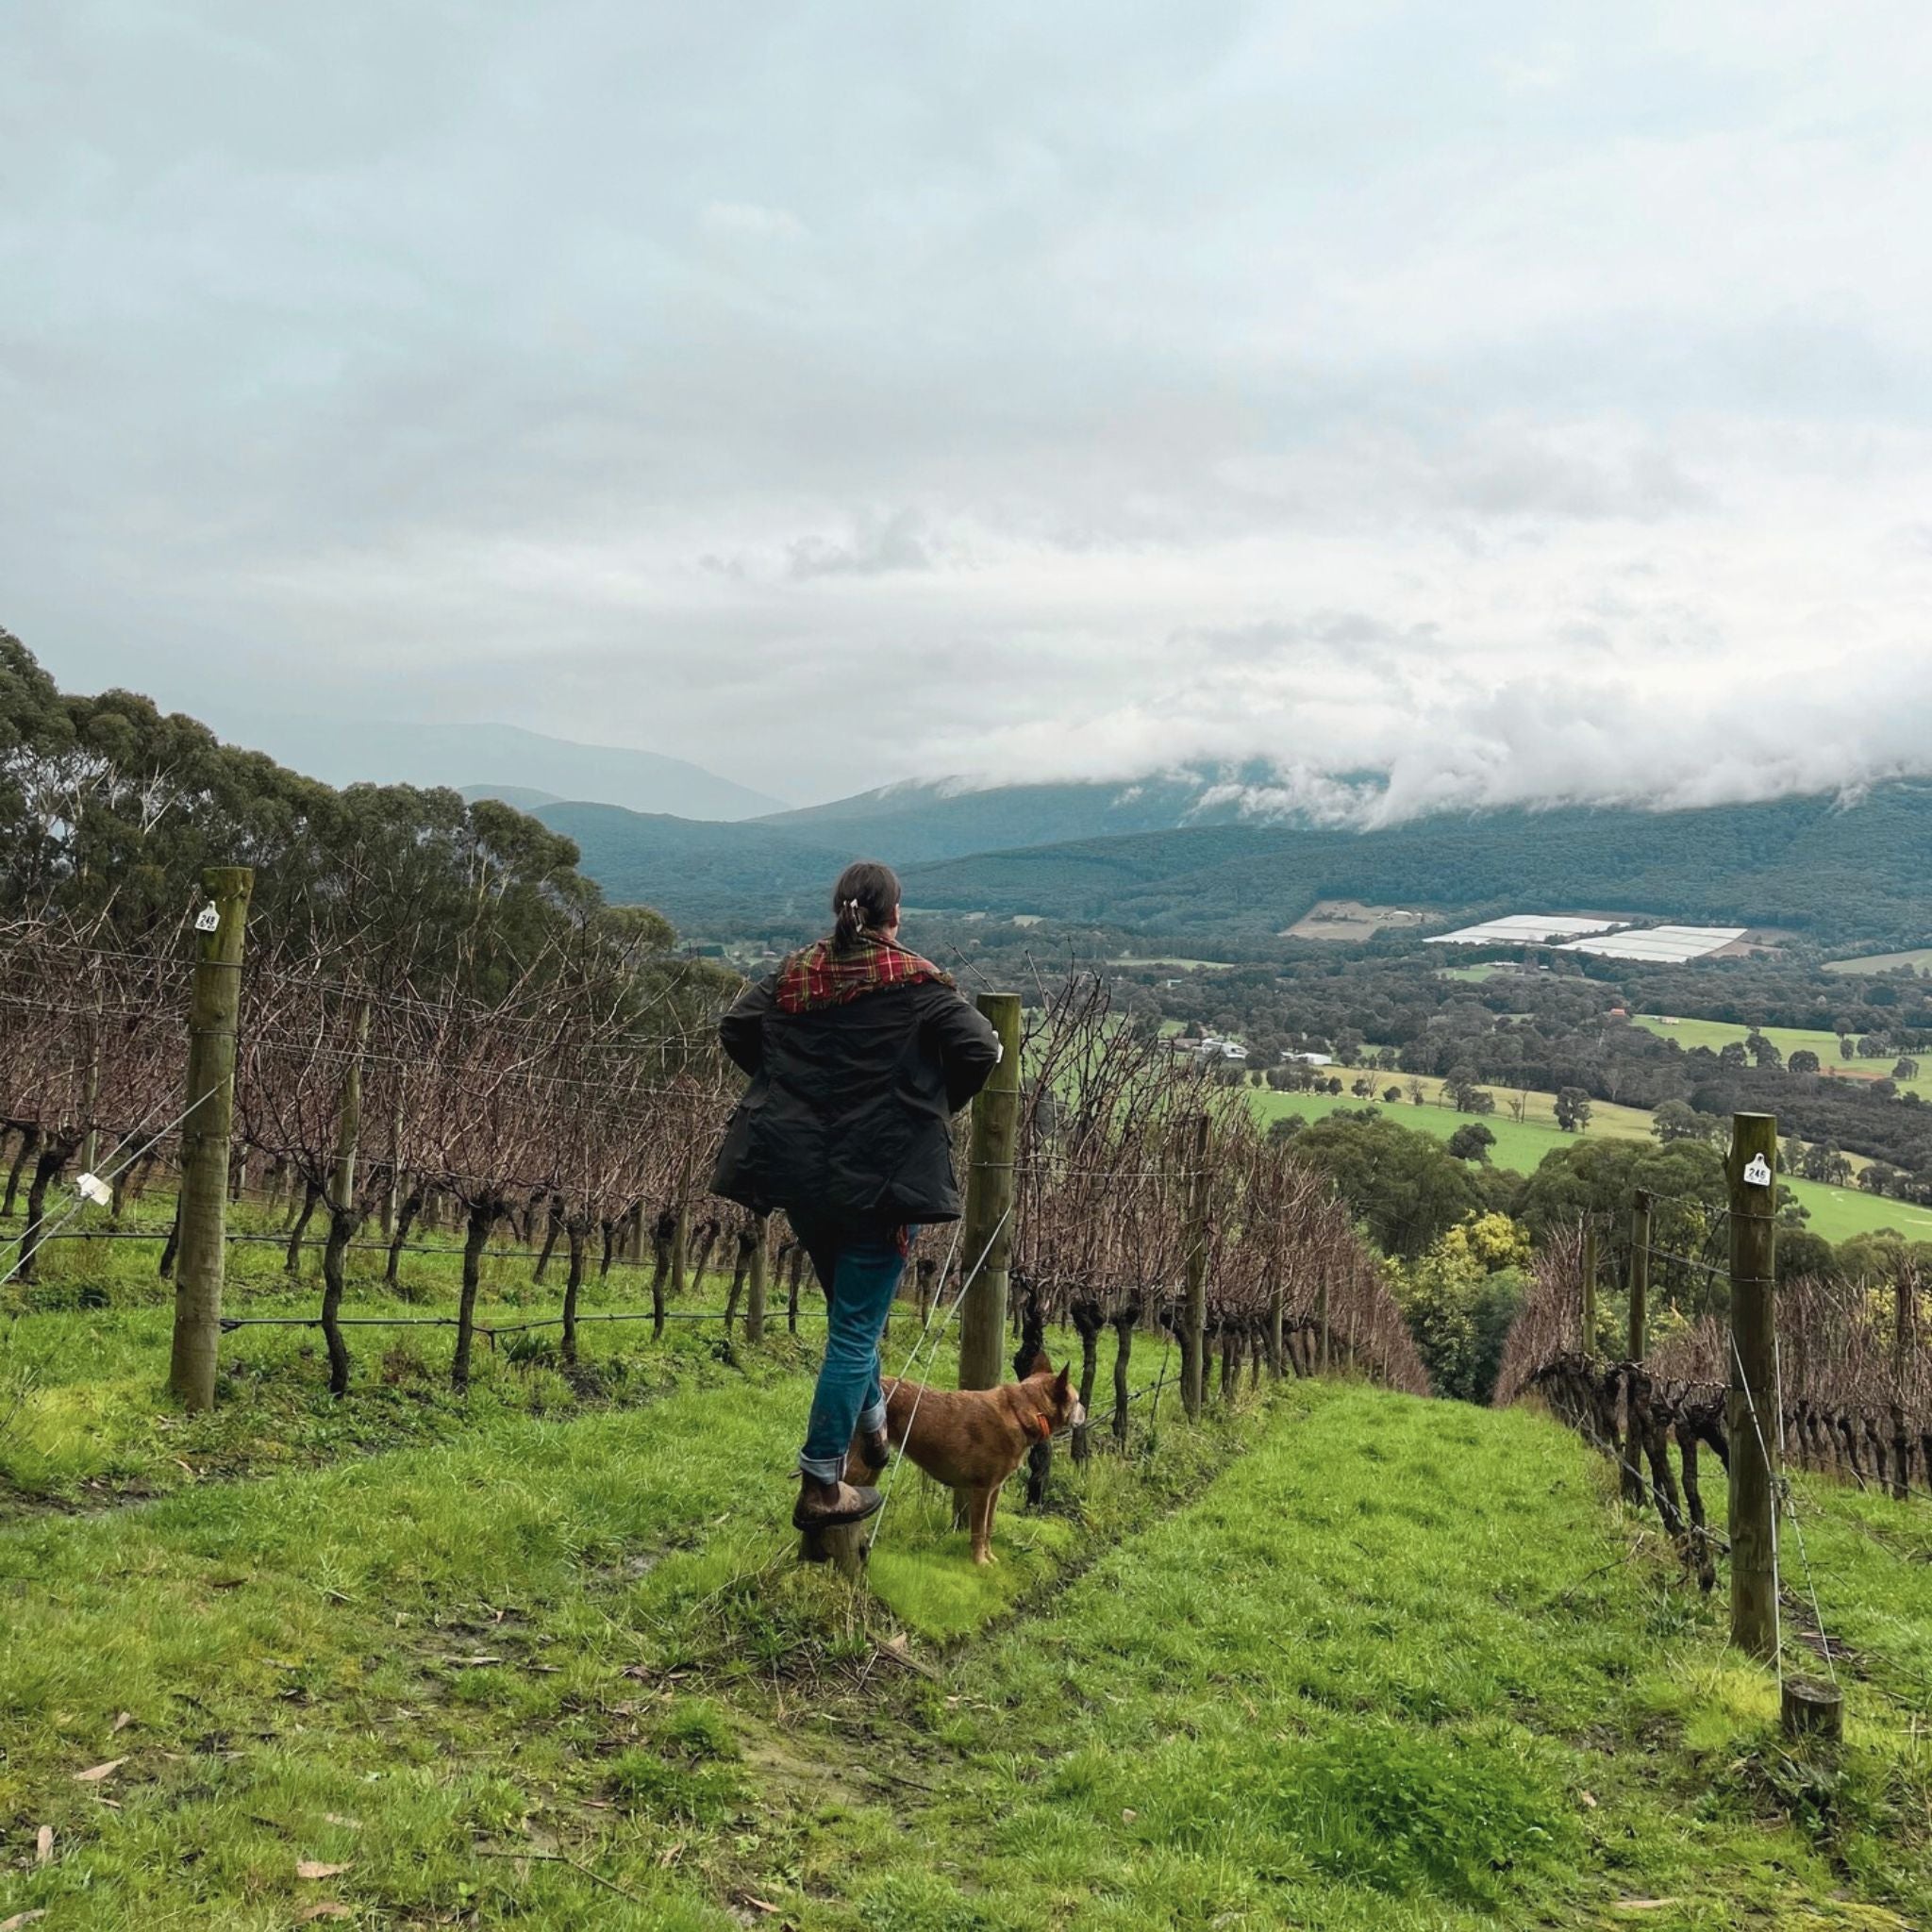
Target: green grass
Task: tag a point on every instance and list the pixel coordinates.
(1340, 1659)
(79, 1380)
(392, 1659)
(1837, 1213)
(1718, 1034)
(1919, 960)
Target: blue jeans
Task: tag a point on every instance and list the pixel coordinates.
(860, 1271)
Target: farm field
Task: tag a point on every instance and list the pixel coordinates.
(1837, 1213)
(1920, 961)
(1350, 920)
(1717, 1033)
(1180, 962)
(560, 1670)
(1606, 1117)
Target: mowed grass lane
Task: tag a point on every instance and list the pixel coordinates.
(1391, 1673)
(389, 1661)
(1393, 1667)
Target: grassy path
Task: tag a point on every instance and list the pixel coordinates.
(1341, 1660)
(397, 1659)
(1389, 1672)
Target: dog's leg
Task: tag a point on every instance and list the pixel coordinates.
(984, 1502)
(980, 1521)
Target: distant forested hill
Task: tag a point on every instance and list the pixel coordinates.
(697, 872)
(922, 822)
(1807, 863)
(1862, 871)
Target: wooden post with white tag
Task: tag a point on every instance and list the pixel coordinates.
(1752, 1419)
(207, 1127)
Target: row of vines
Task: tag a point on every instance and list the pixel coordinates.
(578, 1111)
(1853, 1378)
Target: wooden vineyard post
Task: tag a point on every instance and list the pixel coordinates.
(1195, 1316)
(986, 1242)
(1904, 1296)
(91, 1092)
(207, 1128)
(1752, 1409)
(1636, 1343)
(760, 1273)
(1276, 1312)
(1586, 1318)
(1811, 1710)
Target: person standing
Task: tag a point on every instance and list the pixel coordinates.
(859, 1053)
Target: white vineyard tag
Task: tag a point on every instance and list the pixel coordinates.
(1757, 1174)
(91, 1186)
(206, 918)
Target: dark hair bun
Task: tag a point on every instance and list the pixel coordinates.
(866, 899)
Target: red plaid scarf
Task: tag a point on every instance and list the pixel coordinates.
(820, 976)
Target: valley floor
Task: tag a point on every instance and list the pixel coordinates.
(1837, 1213)
(1337, 1659)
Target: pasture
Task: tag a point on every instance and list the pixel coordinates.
(1919, 960)
(1718, 1034)
(1837, 1213)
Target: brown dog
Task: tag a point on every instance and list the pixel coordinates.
(973, 1440)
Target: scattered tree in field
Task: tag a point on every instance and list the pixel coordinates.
(1675, 1120)
(1822, 1161)
(1803, 1060)
(1573, 1109)
(1471, 1142)
(1405, 1187)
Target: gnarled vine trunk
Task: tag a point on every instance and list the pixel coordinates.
(576, 1229)
(311, 1194)
(483, 1215)
(405, 1218)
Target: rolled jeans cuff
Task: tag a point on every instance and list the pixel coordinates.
(831, 1469)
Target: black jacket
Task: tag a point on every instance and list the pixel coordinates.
(848, 1113)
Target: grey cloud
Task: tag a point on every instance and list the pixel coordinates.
(1088, 392)
(875, 547)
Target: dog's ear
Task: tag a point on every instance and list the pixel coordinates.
(1040, 1365)
(1061, 1384)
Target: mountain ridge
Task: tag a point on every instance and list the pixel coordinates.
(1812, 864)
(462, 756)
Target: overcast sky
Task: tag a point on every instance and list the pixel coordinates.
(1533, 399)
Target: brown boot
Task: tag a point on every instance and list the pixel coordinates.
(826, 1505)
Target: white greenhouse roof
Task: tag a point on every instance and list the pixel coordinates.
(1669, 945)
(1524, 929)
